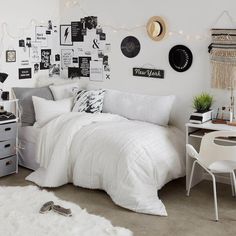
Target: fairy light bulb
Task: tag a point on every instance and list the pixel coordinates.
(181, 32)
(170, 33)
(197, 37)
(188, 37)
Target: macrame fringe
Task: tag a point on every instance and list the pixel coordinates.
(223, 75)
(223, 58)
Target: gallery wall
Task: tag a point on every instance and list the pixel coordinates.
(189, 22)
(18, 21)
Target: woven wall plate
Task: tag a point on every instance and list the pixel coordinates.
(157, 28)
(180, 58)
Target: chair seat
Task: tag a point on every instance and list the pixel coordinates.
(223, 166)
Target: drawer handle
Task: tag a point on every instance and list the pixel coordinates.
(8, 163)
(7, 129)
(7, 145)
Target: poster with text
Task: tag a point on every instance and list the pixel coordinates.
(45, 59)
(66, 58)
(96, 71)
(41, 35)
(84, 65)
(25, 73)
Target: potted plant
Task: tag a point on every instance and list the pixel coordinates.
(202, 104)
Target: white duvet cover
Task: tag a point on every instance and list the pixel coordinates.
(130, 160)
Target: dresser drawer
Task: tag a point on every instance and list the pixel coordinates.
(7, 148)
(7, 166)
(8, 131)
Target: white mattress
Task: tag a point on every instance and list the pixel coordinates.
(27, 144)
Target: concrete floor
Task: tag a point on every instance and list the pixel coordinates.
(187, 216)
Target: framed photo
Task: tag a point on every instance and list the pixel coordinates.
(10, 56)
(65, 35)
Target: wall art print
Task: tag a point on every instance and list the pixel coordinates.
(96, 71)
(11, 56)
(65, 35)
(45, 59)
(41, 36)
(35, 53)
(25, 73)
(66, 58)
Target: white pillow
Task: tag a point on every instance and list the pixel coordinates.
(47, 110)
(153, 109)
(64, 90)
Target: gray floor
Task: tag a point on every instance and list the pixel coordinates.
(187, 216)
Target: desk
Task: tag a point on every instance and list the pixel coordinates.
(194, 134)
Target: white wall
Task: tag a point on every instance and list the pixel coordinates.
(191, 16)
(18, 14)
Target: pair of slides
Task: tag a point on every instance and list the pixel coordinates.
(48, 206)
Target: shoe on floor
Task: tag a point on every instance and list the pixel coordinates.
(46, 207)
(61, 210)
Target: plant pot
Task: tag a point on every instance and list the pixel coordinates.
(201, 117)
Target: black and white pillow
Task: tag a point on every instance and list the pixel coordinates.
(89, 101)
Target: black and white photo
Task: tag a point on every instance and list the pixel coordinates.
(11, 56)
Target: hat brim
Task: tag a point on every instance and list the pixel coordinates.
(157, 28)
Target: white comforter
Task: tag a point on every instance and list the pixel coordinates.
(130, 160)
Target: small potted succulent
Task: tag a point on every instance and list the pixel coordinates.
(202, 104)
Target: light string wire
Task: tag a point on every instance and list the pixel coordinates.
(188, 37)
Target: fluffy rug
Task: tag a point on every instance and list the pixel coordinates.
(19, 215)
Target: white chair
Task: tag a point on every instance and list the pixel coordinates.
(214, 158)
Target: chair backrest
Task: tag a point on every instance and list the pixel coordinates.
(211, 152)
(191, 151)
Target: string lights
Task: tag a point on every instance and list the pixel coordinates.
(186, 36)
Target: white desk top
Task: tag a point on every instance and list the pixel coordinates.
(211, 126)
(11, 100)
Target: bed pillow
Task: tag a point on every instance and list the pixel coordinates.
(64, 90)
(46, 110)
(153, 109)
(89, 101)
(25, 102)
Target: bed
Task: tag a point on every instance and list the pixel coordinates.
(27, 146)
(122, 152)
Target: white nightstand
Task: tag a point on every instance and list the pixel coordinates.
(194, 134)
(9, 139)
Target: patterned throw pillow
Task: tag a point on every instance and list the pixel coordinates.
(89, 101)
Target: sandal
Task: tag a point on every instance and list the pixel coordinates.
(61, 210)
(46, 207)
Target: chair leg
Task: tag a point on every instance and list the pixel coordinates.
(215, 197)
(232, 184)
(191, 178)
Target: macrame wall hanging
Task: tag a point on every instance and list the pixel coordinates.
(223, 56)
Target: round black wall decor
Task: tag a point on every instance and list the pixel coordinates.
(180, 58)
(130, 46)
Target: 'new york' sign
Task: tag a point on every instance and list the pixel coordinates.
(150, 73)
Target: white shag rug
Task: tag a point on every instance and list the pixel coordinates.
(19, 216)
